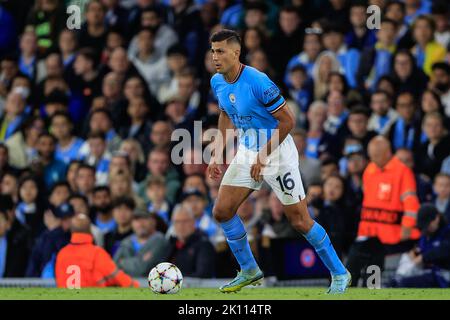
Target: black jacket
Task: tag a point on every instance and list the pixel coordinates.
(436, 249)
(112, 240)
(18, 249)
(430, 166)
(45, 249)
(194, 258)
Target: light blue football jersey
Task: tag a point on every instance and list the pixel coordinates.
(249, 101)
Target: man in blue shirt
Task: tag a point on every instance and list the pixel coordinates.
(51, 169)
(252, 103)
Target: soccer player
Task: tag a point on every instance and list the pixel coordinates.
(251, 102)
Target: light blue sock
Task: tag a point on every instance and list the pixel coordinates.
(237, 239)
(319, 239)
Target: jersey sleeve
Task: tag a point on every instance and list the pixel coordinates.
(268, 93)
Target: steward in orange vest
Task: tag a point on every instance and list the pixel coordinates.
(390, 204)
(91, 264)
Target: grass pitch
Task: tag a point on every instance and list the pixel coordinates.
(289, 293)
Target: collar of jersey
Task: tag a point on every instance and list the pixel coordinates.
(241, 68)
(79, 238)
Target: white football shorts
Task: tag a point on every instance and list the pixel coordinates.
(282, 172)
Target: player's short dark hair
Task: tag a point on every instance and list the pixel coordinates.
(124, 201)
(226, 34)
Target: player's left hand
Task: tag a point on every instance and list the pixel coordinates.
(256, 169)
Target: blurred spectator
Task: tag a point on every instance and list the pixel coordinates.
(158, 165)
(46, 166)
(165, 36)
(47, 18)
(196, 202)
(139, 127)
(288, 40)
(43, 256)
(426, 51)
(101, 209)
(376, 59)
(59, 194)
(189, 248)
(333, 212)
(156, 194)
(99, 157)
(441, 189)
(122, 212)
(144, 249)
(13, 115)
(435, 149)
(427, 266)
(85, 180)
(405, 131)
(359, 37)
(406, 74)
(440, 82)
(14, 241)
(96, 266)
(383, 115)
(93, 31)
(150, 62)
(311, 48)
(423, 183)
(67, 44)
(68, 145)
(22, 145)
(309, 167)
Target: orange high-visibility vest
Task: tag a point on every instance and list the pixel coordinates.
(389, 202)
(93, 264)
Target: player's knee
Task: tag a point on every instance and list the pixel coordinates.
(302, 224)
(221, 213)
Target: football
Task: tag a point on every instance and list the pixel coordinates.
(165, 278)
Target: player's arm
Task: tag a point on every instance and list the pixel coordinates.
(286, 121)
(220, 142)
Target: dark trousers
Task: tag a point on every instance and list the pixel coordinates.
(362, 255)
(427, 280)
(371, 252)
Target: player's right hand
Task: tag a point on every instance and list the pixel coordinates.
(214, 171)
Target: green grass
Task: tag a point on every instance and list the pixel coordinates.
(213, 294)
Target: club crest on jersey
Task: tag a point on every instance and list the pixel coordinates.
(232, 98)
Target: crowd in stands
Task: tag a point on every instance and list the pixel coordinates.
(87, 114)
